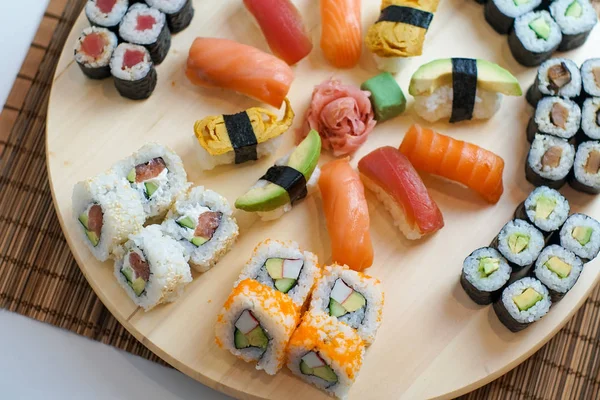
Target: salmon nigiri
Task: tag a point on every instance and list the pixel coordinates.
(282, 25)
(341, 37)
(230, 65)
(389, 174)
(477, 168)
(347, 215)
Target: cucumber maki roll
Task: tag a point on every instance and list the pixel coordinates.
(93, 51)
(534, 38)
(581, 235)
(485, 272)
(590, 119)
(544, 208)
(146, 26)
(576, 19)
(555, 116)
(520, 243)
(558, 269)
(590, 75)
(555, 77)
(549, 161)
(522, 303)
(501, 14)
(106, 13)
(133, 72)
(586, 170)
(179, 12)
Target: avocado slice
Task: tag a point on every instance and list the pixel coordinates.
(336, 309)
(151, 187)
(239, 340)
(138, 286)
(198, 241)
(257, 338)
(127, 273)
(326, 373)
(354, 302)
(186, 222)
(305, 369)
(540, 27)
(92, 237)
(517, 242)
(544, 207)
(490, 77)
(582, 234)
(574, 10)
(527, 299)
(559, 267)
(274, 267)
(131, 175)
(488, 266)
(285, 284)
(269, 197)
(84, 219)
(520, 2)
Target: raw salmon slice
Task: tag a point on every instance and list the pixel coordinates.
(341, 32)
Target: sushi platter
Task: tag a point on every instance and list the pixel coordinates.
(433, 339)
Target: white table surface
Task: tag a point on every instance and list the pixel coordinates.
(40, 361)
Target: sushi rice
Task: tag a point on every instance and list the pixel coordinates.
(208, 161)
(526, 317)
(542, 86)
(544, 122)
(589, 182)
(111, 19)
(534, 246)
(549, 278)
(128, 31)
(589, 119)
(540, 146)
(575, 30)
(135, 73)
(104, 59)
(492, 282)
(588, 251)
(590, 85)
(529, 49)
(558, 215)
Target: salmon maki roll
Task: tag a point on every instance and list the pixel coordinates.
(341, 37)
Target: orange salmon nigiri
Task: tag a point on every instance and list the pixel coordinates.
(477, 168)
(341, 37)
(347, 215)
(230, 65)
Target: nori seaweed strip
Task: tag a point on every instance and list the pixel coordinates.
(242, 137)
(137, 90)
(159, 49)
(406, 15)
(179, 20)
(478, 296)
(526, 57)
(532, 129)
(288, 178)
(537, 180)
(580, 186)
(507, 319)
(95, 73)
(464, 86)
(570, 42)
(497, 19)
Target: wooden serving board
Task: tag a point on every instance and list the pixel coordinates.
(434, 342)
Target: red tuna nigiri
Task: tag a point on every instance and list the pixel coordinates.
(396, 183)
(230, 65)
(282, 25)
(347, 215)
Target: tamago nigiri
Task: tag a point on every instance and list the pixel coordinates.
(341, 35)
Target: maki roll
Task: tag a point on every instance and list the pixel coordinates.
(461, 89)
(146, 26)
(202, 222)
(179, 13)
(106, 13)
(544, 208)
(586, 171)
(576, 19)
(501, 14)
(93, 50)
(558, 269)
(485, 272)
(326, 353)
(152, 269)
(555, 77)
(581, 235)
(238, 138)
(555, 116)
(352, 297)
(590, 120)
(284, 267)
(133, 71)
(107, 211)
(520, 243)
(256, 324)
(156, 173)
(549, 161)
(590, 75)
(534, 38)
(522, 303)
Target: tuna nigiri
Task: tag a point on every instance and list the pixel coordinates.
(477, 168)
(282, 25)
(230, 65)
(341, 37)
(347, 215)
(392, 178)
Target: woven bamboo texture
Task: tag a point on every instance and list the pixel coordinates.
(40, 279)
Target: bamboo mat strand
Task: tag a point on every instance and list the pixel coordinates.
(40, 279)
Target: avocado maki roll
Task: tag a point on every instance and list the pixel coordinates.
(106, 14)
(133, 72)
(590, 75)
(485, 272)
(93, 51)
(256, 324)
(555, 116)
(558, 269)
(520, 243)
(549, 161)
(576, 19)
(534, 38)
(581, 235)
(590, 119)
(522, 303)
(544, 208)
(501, 14)
(151, 268)
(179, 12)
(586, 170)
(202, 222)
(555, 77)
(147, 26)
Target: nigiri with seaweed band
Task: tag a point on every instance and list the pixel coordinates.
(238, 138)
(461, 89)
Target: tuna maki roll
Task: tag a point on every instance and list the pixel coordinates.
(485, 272)
(558, 269)
(133, 71)
(534, 38)
(555, 116)
(522, 303)
(590, 75)
(93, 51)
(576, 19)
(549, 161)
(106, 13)
(544, 208)
(555, 77)
(590, 120)
(179, 12)
(586, 171)
(147, 27)
(501, 14)
(520, 243)
(581, 235)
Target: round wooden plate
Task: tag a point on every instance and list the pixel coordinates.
(434, 342)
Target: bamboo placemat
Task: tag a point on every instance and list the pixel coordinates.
(40, 279)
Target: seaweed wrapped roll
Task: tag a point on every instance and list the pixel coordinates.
(558, 269)
(179, 12)
(93, 51)
(545, 208)
(146, 26)
(106, 13)
(522, 303)
(590, 119)
(501, 14)
(133, 71)
(549, 161)
(534, 38)
(520, 243)
(485, 272)
(590, 75)
(555, 77)
(586, 170)
(555, 116)
(581, 235)
(576, 19)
